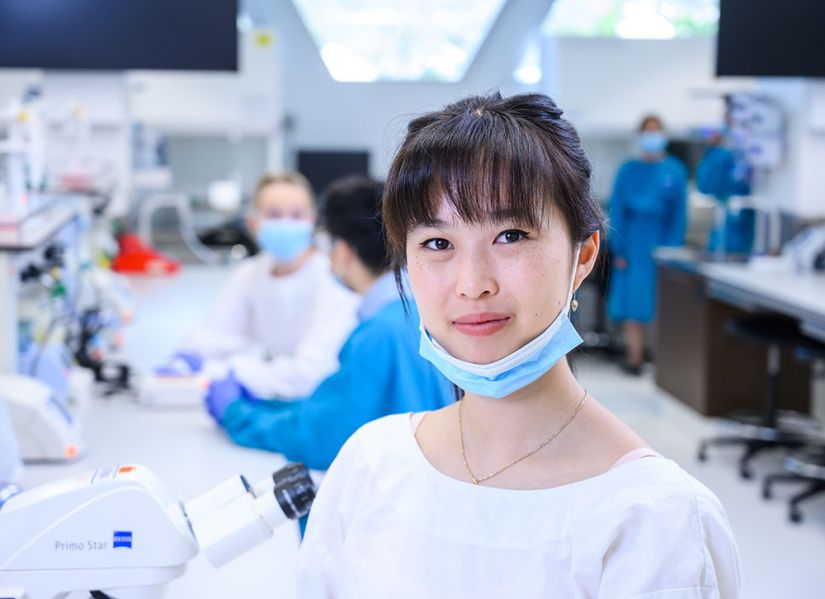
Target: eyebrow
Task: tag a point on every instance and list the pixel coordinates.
(497, 217)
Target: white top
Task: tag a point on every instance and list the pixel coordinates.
(386, 523)
(300, 320)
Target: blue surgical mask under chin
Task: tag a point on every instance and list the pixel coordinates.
(285, 238)
(651, 142)
(513, 372)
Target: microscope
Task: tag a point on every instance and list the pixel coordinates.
(117, 533)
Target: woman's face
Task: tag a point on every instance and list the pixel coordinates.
(484, 290)
(282, 200)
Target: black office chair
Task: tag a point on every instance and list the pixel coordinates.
(770, 427)
(805, 465)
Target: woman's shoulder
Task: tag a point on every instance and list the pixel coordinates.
(657, 509)
(654, 490)
(385, 435)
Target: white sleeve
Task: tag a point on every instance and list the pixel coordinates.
(319, 557)
(314, 358)
(226, 329)
(683, 550)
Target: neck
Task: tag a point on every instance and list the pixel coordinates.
(282, 269)
(362, 279)
(522, 419)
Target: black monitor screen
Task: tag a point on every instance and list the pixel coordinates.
(324, 167)
(769, 38)
(115, 35)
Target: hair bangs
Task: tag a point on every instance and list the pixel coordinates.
(485, 173)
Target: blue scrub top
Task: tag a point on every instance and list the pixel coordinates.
(648, 209)
(720, 174)
(381, 373)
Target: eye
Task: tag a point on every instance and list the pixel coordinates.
(512, 236)
(438, 244)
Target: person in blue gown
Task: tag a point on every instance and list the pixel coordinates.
(380, 373)
(723, 173)
(647, 209)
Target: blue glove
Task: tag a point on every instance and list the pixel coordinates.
(224, 392)
(182, 363)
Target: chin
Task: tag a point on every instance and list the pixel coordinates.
(479, 350)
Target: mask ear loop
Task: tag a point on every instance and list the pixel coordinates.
(572, 302)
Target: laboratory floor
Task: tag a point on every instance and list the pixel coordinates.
(779, 559)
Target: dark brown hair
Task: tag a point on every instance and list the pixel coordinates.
(651, 119)
(490, 157)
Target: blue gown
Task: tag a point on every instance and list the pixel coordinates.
(647, 209)
(720, 175)
(381, 373)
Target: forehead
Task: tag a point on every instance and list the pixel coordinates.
(447, 216)
(284, 195)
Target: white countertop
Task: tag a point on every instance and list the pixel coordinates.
(800, 295)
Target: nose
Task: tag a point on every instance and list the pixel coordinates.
(475, 277)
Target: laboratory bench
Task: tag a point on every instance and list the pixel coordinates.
(182, 446)
(703, 365)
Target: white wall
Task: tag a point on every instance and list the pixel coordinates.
(607, 84)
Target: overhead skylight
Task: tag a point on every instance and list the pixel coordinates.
(632, 19)
(398, 40)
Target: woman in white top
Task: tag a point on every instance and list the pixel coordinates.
(285, 301)
(526, 487)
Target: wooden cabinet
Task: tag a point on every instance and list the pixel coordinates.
(703, 365)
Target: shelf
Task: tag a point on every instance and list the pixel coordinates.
(37, 227)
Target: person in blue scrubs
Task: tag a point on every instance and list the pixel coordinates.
(723, 173)
(380, 373)
(648, 209)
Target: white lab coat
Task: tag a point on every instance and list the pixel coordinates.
(10, 466)
(386, 523)
(299, 321)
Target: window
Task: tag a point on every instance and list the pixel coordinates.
(633, 19)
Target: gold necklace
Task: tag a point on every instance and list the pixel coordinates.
(543, 444)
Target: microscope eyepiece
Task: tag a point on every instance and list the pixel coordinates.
(294, 490)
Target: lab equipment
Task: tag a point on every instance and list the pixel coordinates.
(182, 363)
(173, 391)
(45, 429)
(807, 249)
(118, 532)
(10, 465)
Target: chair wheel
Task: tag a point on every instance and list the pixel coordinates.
(795, 516)
(766, 491)
(745, 473)
(702, 456)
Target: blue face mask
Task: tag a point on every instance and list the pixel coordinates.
(285, 238)
(511, 373)
(651, 142)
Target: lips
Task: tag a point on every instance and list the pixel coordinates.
(481, 324)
